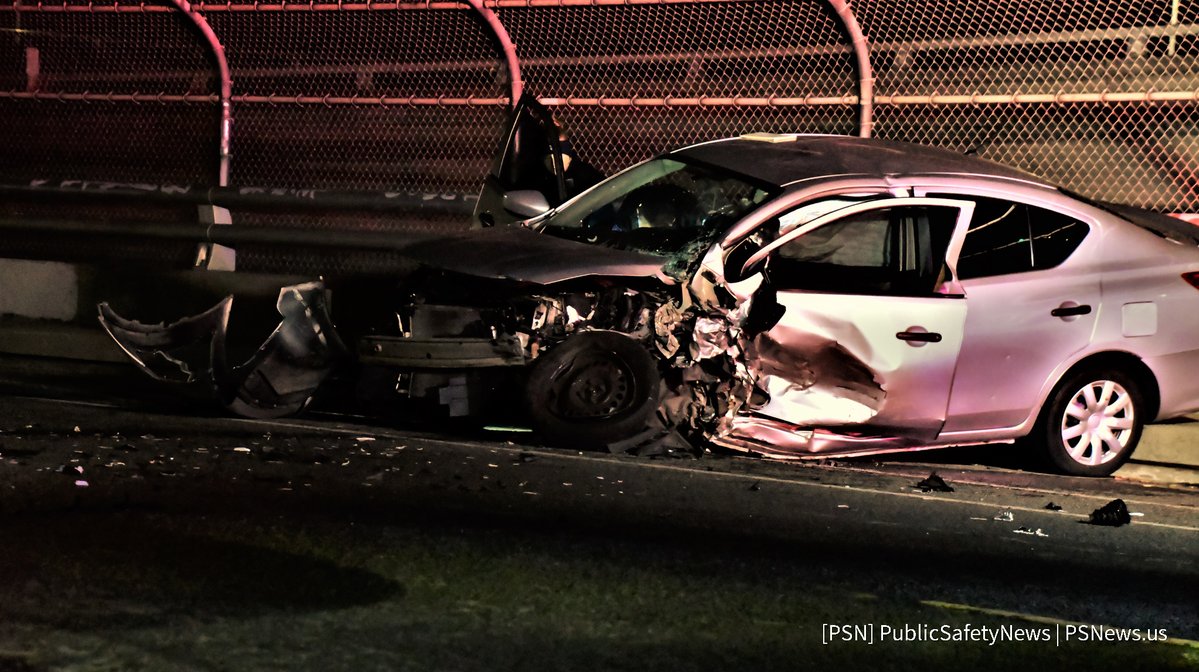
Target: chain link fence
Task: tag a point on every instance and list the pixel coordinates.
(360, 98)
(355, 99)
(86, 98)
(652, 76)
(1098, 96)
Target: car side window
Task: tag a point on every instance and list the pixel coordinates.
(1054, 237)
(1007, 237)
(888, 251)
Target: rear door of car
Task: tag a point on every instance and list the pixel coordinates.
(1032, 284)
(529, 159)
(871, 318)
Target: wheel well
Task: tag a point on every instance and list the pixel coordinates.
(1130, 364)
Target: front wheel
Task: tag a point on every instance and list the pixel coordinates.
(1093, 422)
(595, 388)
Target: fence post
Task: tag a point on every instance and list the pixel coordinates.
(861, 50)
(501, 34)
(210, 256)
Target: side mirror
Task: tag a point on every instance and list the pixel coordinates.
(735, 259)
(526, 203)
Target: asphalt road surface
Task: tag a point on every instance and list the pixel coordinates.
(140, 534)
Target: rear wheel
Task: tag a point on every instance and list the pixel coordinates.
(1093, 422)
(595, 388)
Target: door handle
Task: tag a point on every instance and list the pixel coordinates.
(1070, 311)
(919, 336)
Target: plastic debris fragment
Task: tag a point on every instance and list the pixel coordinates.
(1024, 530)
(1053, 507)
(934, 483)
(1113, 514)
(1004, 516)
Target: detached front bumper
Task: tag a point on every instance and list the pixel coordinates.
(279, 379)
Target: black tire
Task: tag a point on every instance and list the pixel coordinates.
(1065, 432)
(593, 389)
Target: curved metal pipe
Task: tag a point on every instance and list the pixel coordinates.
(861, 50)
(226, 86)
(501, 34)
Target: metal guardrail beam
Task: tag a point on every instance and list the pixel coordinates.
(239, 198)
(230, 236)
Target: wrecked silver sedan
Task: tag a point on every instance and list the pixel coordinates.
(783, 295)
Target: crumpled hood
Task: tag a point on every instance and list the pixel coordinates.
(515, 253)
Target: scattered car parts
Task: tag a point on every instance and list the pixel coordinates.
(1113, 514)
(280, 379)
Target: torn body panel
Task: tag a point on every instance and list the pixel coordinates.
(841, 367)
(773, 438)
(865, 355)
(279, 379)
(157, 349)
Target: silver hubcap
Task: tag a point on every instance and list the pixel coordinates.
(1097, 425)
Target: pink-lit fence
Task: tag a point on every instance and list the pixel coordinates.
(1100, 95)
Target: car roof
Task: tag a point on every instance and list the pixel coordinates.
(782, 160)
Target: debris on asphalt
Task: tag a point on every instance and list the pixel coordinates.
(1024, 530)
(1053, 507)
(81, 484)
(842, 506)
(364, 439)
(934, 483)
(1113, 514)
(755, 487)
(241, 449)
(1004, 516)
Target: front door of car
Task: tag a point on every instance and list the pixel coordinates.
(530, 159)
(871, 318)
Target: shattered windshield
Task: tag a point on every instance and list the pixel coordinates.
(662, 206)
